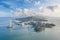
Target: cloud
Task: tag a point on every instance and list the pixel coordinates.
(17, 13)
(29, 12)
(37, 7)
(11, 5)
(54, 7)
(23, 12)
(37, 3)
(52, 11)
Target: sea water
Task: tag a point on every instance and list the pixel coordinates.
(26, 32)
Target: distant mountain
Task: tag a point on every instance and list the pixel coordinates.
(34, 18)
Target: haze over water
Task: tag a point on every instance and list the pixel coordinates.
(27, 33)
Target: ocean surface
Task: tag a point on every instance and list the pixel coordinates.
(27, 33)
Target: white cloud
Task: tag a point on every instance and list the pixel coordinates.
(51, 11)
(24, 12)
(17, 13)
(29, 12)
(37, 3)
(50, 8)
(11, 4)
